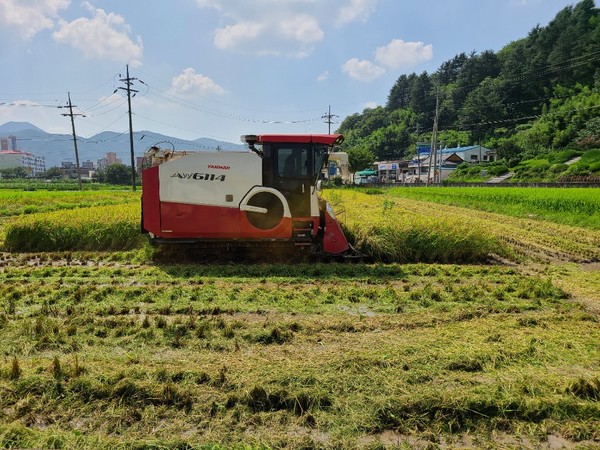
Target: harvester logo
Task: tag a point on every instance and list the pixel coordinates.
(218, 166)
(198, 176)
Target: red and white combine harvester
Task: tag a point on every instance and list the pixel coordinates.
(266, 196)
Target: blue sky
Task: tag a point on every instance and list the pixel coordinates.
(223, 68)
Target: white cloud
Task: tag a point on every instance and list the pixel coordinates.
(281, 27)
(209, 4)
(233, 36)
(30, 16)
(323, 76)
(396, 54)
(362, 70)
(403, 54)
(302, 28)
(371, 105)
(356, 10)
(292, 37)
(104, 36)
(190, 83)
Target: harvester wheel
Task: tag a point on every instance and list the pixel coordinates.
(274, 208)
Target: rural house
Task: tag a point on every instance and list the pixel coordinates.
(448, 159)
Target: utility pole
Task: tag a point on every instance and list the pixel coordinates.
(72, 115)
(434, 138)
(418, 155)
(128, 83)
(329, 120)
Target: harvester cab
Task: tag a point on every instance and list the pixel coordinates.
(265, 196)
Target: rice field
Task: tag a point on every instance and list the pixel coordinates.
(569, 206)
(102, 228)
(487, 339)
(382, 224)
(15, 202)
(370, 217)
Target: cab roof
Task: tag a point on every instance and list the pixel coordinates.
(325, 139)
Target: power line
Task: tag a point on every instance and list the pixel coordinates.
(212, 111)
(106, 127)
(104, 103)
(11, 104)
(278, 112)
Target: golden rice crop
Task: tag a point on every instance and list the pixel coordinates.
(530, 237)
(114, 227)
(17, 202)
(514, 237)
(381, 227)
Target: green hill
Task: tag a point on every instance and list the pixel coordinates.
(536, 95)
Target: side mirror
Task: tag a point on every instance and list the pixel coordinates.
(319, 185)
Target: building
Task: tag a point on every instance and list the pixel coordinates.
(392, 171)
(68, 169)
(8, 143)
(447, 160)
(111, 158)
(338, 167)
(11, 159)
(101, 164)
(88, 165)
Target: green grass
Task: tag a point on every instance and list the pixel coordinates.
(573, 206)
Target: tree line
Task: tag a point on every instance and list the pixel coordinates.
(538, 93)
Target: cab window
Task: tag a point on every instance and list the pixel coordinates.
(293, 162)
(320, 157)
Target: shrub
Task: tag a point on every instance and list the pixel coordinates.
(578, 169)
(562, 156)
(558, 168)
(497, 170)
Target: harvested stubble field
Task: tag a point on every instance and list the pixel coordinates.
(114, 349)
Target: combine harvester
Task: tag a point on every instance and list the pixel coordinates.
(228, 202)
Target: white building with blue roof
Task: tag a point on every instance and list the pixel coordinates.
(447, 160)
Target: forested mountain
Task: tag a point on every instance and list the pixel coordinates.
(535, 94)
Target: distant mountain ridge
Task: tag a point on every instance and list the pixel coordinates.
(57, 148)
(15, 127)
